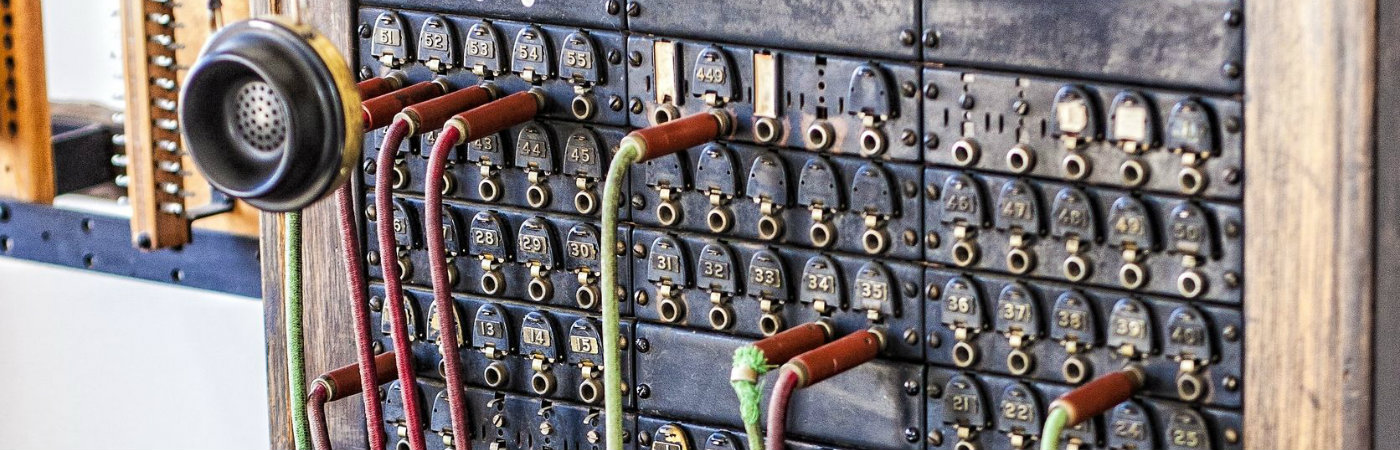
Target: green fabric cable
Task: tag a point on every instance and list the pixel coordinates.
(628, 153)
(291, 301)
(1054, 424)
(750, 359)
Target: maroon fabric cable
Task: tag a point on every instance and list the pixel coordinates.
(393, 290)
(778, 408)
(359, 294)
(442, 289)
(316, 413)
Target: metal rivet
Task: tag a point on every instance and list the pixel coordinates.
(908, 89)
(930, 91)
(1230, 70)
(930, 39)
(907, 37)
(1234, 17)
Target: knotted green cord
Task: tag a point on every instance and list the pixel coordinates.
(750, 393)
(628, 153)
(1054, 424)
(291, 302)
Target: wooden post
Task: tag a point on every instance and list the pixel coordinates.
(26, 155)
(1309, 93)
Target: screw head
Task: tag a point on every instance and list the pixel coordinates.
(365, 31)
(366, 73)
(908, 137)
(1231, 333)
(966, 101)
(614, 7)
(1232, 175)
(638, 202)
(615, 102)
(641, 298)
(1232, 124)
(1234, 17)
(634, 58)
(634, 9)
(644, 439)
(911, 434)
(930, 141)
(1021, 107)
(643, 345)
(911, 337)
(614, 56)
(643, 391)
(639, 250)
(635, 105)
(934, 390)
(931, 239)
(1232, 279)
(935, 438)
(933, 340)
(1232, 383)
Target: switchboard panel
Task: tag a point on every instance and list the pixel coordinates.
(1007, 201)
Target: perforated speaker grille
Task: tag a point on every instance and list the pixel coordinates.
(262, 116)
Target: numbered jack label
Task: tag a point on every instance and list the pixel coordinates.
(1188, 336)
(537, 331)
(873, 290)
(488, 151)
(962, 201)
(870, 93)
(1186, 430)
(713, 79)
(536, 243)
(716, 264)
(1134, 122)
(1191, 129)
(871, 191)
(583, 156)
(1074, 320)
(1129, 427)
(1018, 411)
(578, 60)
(1189, 231)
(821, 283)
(483, 50)
(534, 148)
(452, 231)
(1074, 215)
(964, 405)
(581, 248)
(1075, 119)
(1130, 328)
(962, 304)
(388, 44)
(585, 343)
(406, 224)
(491, 328)
(1018, 208)
(437, 45)
(668, 262)
(1130, 225)
(715, 171)
(488, 236)
(767, 277)
(1018, 311)
(530, 55)
(768, 179)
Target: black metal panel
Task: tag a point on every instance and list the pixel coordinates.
(214, 261)
(584, 13)
(868, 407)
(881, 28)
(1188, 43)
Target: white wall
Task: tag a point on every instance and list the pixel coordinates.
(98, 361)
(82, 44)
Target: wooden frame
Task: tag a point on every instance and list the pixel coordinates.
(26, 158)
(1309, 208)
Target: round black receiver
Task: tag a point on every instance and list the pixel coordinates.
(270, 114)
